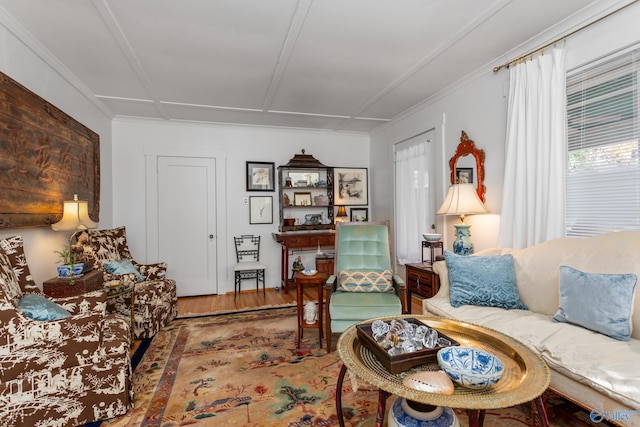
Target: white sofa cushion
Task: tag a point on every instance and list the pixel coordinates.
(582, 359)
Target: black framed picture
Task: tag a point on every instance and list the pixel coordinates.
(260, 176)
(261, 210)
(464, 175)
(350, 186)
(359, 214)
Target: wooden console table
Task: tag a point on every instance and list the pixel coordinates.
(296, 240)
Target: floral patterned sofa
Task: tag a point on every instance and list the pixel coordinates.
(64, 372)
(155, 301)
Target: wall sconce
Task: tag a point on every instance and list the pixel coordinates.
(461, 200)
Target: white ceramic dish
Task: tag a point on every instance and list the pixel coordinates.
(309, 272)
(432, 237)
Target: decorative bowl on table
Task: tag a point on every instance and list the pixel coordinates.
(308, 272)
(432, 237)
(471, 367)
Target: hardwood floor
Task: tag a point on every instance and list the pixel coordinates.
(207, 304)
(251, 299)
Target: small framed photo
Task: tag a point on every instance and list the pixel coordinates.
(261, 210)
(464, 175)
(359, 214)
(350, 186)
(260, 176)
(302, 199)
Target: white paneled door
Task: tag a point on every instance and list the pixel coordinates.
(187, 222)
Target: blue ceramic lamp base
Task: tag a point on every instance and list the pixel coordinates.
(462, 245)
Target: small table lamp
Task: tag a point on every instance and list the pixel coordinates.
(341, 216)
(75, 216)
(461, 200)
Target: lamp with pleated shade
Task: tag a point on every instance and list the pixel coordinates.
(461, 200)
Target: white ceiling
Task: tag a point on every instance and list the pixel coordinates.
(348, 65)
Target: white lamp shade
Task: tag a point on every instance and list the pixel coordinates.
(75, 216)
(462, 199)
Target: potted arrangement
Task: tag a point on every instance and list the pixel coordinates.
(69, 267)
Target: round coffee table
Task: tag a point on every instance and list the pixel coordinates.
(526, 376)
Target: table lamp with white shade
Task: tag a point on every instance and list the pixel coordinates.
(75, 217)
(461, 200)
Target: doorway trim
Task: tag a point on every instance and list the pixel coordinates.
(151, 155)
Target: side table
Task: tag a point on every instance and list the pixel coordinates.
(526, 376)
(420, 280)
(300, 280)
(58, 287)
(432, 247)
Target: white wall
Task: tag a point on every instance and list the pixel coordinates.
(241, 143)
(25, 61)
(478, 105)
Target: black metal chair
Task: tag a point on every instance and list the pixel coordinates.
(248, 266)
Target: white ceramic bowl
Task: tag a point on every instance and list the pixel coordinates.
(309, 272)
(471, 367)
(432, 237)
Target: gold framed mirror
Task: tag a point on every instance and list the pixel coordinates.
(465, 148)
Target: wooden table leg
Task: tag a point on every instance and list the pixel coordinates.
(320, 308)
(343, 371)
(540, 418)
(382, 405)
(299, 297)
(476, 417)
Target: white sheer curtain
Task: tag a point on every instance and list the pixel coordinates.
(414, 210)
(533, 209)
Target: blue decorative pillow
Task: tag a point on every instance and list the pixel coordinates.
(122, 266)
(37, 307)
(599, 302)
(488, 281)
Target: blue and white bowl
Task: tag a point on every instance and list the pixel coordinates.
(308, 272)
(471, 367)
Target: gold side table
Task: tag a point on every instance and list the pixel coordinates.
(526, 376)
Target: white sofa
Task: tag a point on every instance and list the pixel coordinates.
(597, 372)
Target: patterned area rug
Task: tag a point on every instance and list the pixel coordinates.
(242, 369)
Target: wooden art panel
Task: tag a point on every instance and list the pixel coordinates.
(46, 157)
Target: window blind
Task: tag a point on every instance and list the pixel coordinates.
(603, 164)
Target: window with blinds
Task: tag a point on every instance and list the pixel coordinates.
(603, 167)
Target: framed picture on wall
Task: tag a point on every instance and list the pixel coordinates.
(464, 175)
(260, 176)
(359, 214)
(350, 186)
(261, 210)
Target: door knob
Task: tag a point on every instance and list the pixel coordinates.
(211, 236)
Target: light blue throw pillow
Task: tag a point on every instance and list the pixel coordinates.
(122, 266)
(487, 281)
(599, 302)
(37, 307)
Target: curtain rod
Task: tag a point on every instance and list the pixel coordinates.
(551, 43)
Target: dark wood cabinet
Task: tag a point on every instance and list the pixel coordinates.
(324, 264)
(420, 280)
(60, 288)
(300, 241)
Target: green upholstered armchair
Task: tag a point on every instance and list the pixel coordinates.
(363, 285)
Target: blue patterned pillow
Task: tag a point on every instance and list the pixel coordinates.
(122, 266)
(488, 281)
(599, 302)
(37, 307)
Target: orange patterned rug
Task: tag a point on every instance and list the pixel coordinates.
(242, 369)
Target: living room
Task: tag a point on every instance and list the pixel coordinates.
(129, 146)
(476, 104)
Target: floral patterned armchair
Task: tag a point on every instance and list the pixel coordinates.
(155, 301)
(64, 372)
